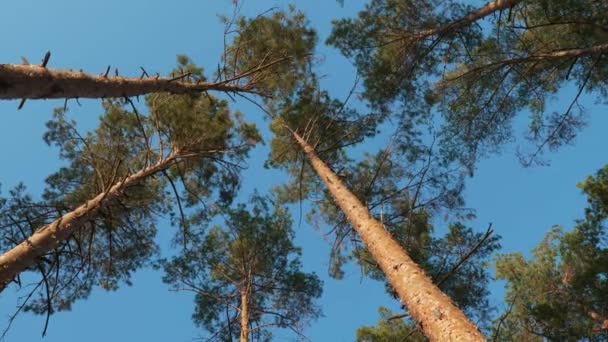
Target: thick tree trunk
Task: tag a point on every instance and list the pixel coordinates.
(244, 314)
(36, 82)
(440, 319)
(51, 235)
(471, 17)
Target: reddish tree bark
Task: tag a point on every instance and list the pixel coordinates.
(37, 82)
(51, 235)
(440, 319)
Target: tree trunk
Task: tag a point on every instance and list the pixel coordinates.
(37, 82)
(244, 313)
(560, 54)
(440, 319)
(51, 235)
(538, 57)
(471, 17)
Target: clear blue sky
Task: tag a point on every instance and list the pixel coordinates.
(521, 203)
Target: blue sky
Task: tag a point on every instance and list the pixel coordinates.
(521, 203)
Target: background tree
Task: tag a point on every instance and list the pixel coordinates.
(247, 275)
(479, 71)
(389, 329)
(99, 214)
(561, 292)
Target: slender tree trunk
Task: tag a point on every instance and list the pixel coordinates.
(538, 57)
(51, 235)
(440, 319)
(244, 314)
(37, 82)
(560, 54)
(471, 17)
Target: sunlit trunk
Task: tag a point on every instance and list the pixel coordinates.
(244, 314)
(439, 318)
(51, 235)
(19, 81)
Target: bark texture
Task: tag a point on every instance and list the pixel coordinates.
(51, 235)
(244, 337)
(471, 17)
(37, 82)
(440, 319)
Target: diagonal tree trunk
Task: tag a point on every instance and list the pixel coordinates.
(440, 319)
(538, 57)
(471, 17)
(51, 235)
(19, 81)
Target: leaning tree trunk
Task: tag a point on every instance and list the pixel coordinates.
(38, 82)
(440, 319)
(51, 235)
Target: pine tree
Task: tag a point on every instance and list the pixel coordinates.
(426, 303)
(561, 291)
(476, 69)
(97, 217)
(246, 274)
(309, 117)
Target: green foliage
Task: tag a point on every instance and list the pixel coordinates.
(487, 92)
(298, 103)
(326, 124)
(389, 329)
(467, 286)
(404, 185)
(202, 125)
(561, 292)
(596, 189)
(252, 250)
(406, 198)
(109, 247)
(280, 43)
(479, 76)
(210, 143)
(398, 192)
(391, 62)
